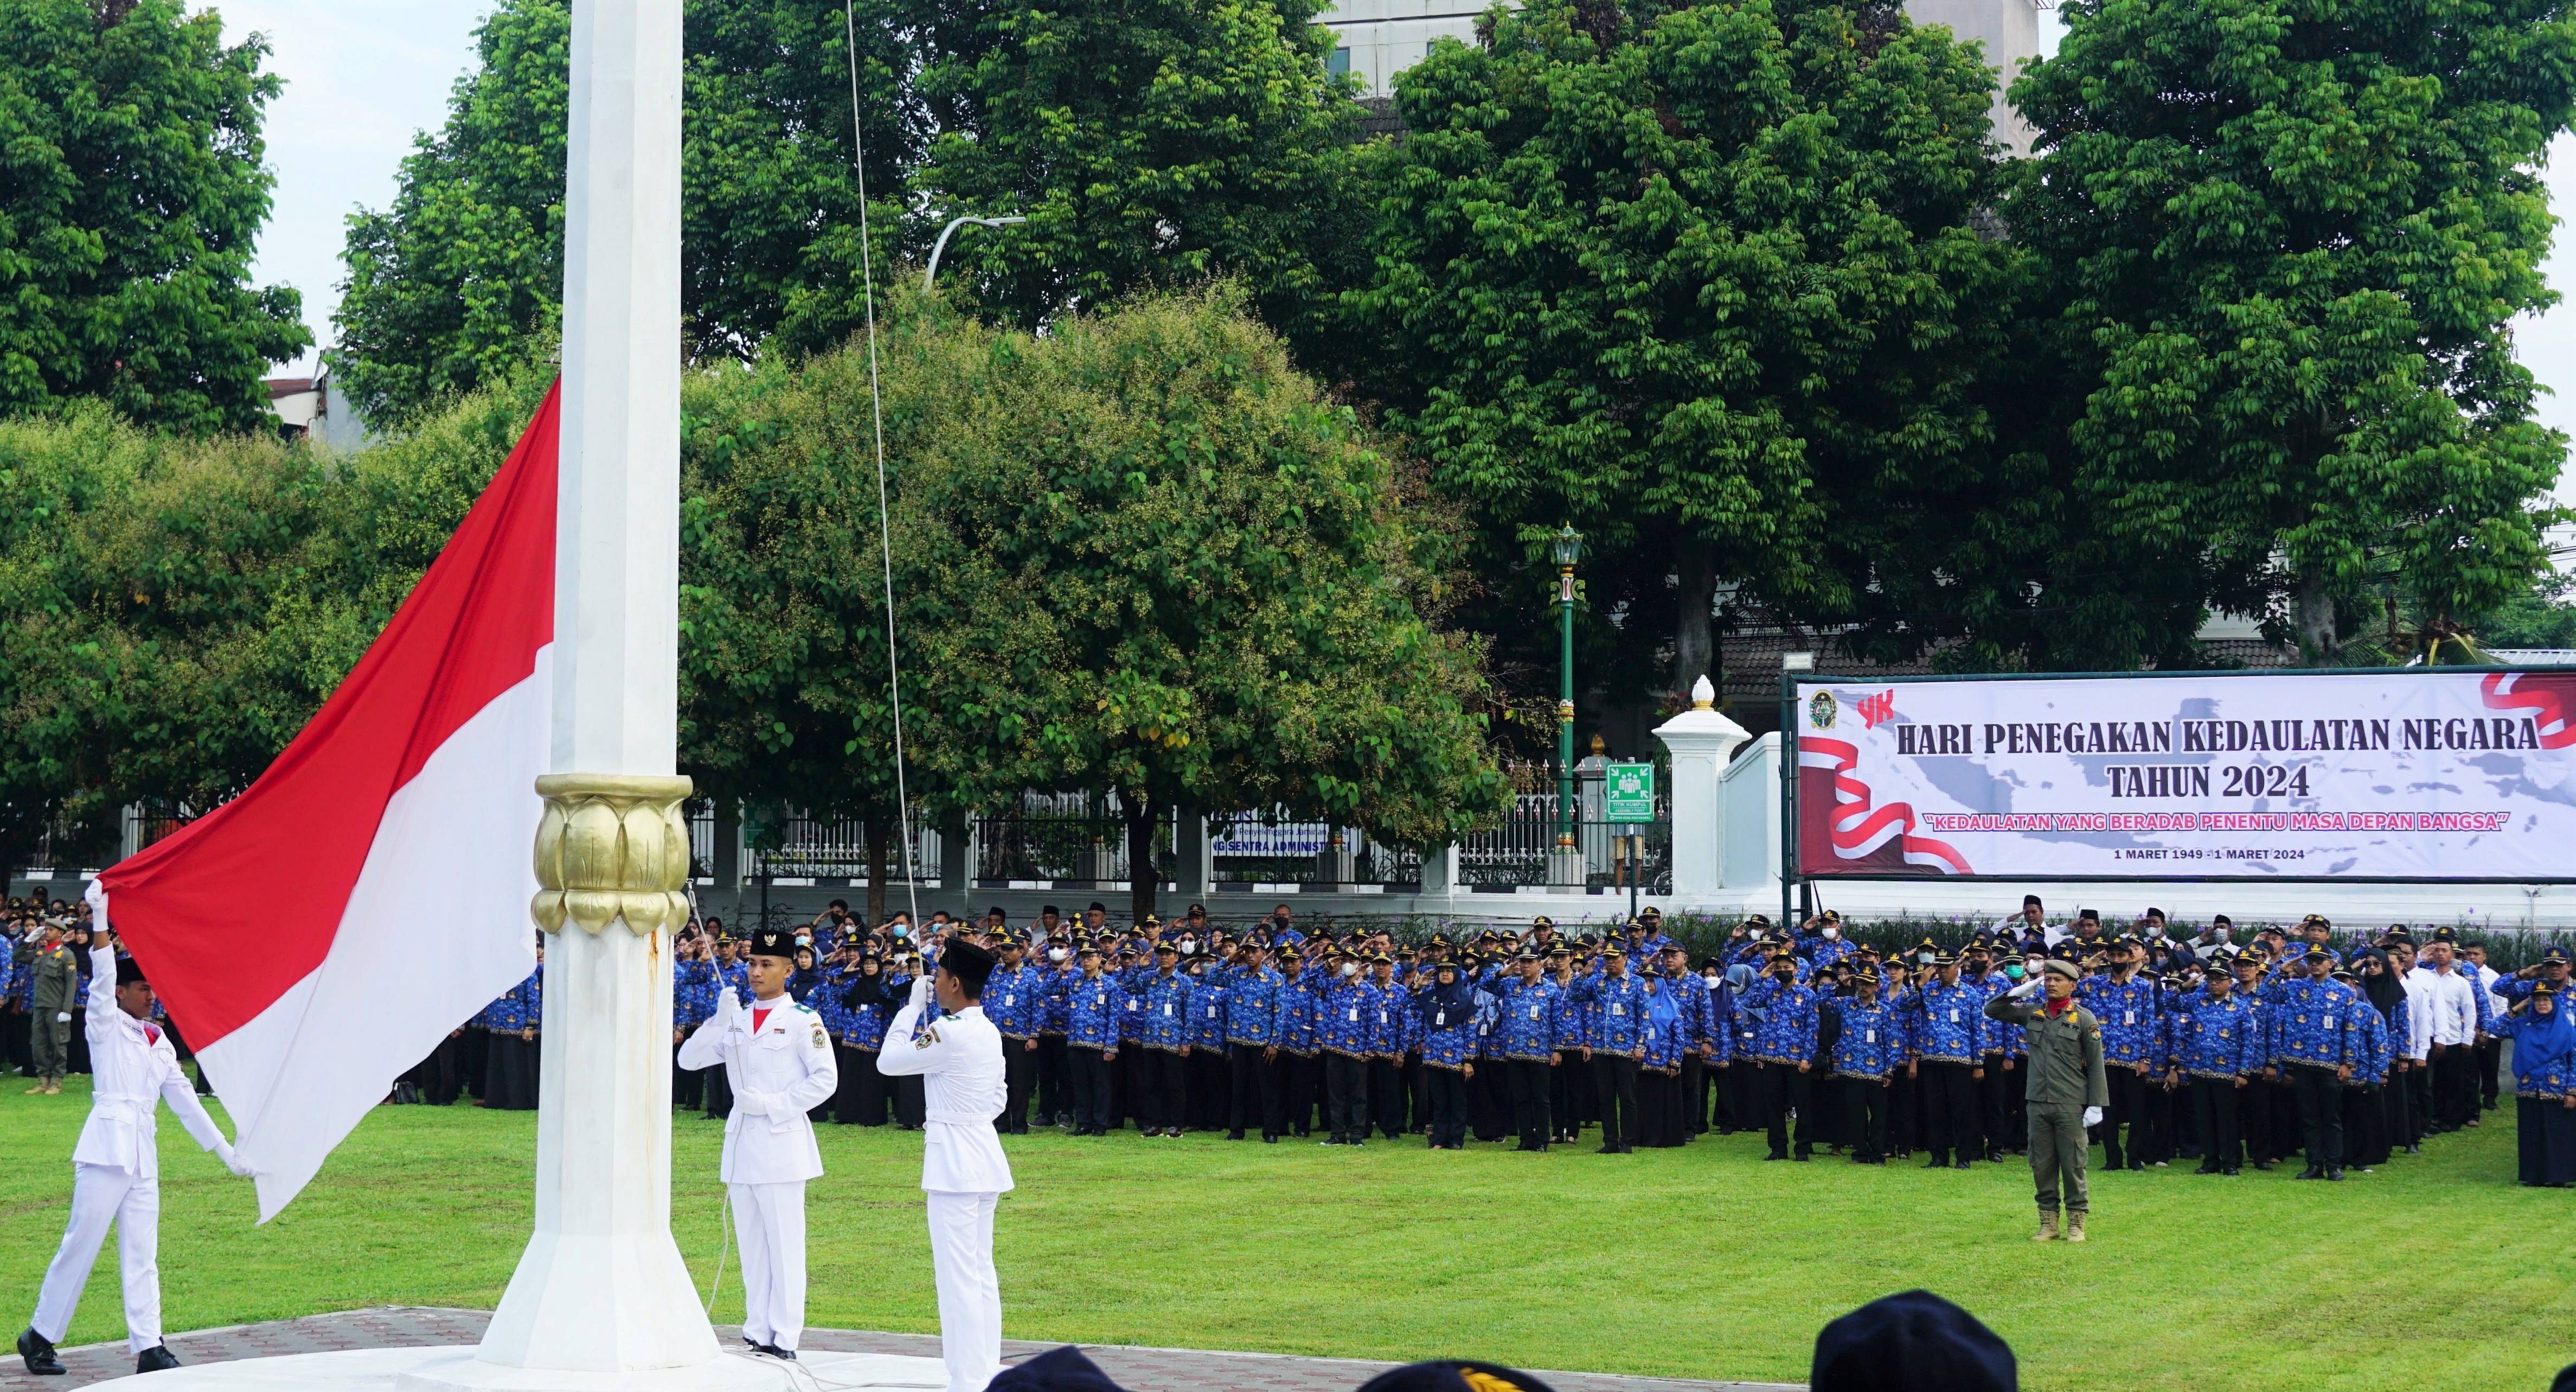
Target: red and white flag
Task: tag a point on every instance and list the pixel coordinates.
(318, 935)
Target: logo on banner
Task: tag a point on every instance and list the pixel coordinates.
(1821, 709)
(1873, 709)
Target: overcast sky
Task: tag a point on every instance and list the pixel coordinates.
(363, 77)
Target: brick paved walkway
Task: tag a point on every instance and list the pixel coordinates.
(1139, 1369)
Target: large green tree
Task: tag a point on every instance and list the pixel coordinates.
(2287, 240)
(460, 281)
(130, 193)
(1146, 557)
(1147, 142)
(1701, 282)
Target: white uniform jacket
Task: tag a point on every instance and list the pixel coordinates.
(136, 1069)
(959, 1060)
(776, 1074)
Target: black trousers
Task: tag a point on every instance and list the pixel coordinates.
(1740, 1092)
(688, 1085)
(1417, 1087)
(1995, 1096)
(1658, 1114)
(1301, 1077)
(1253, 1092)
(2489, 1054)
(1533, 1114)
(442, 1075)
(1055, 1090)
(1020, 1083)
(1865, 1114)
(2254, 1121)
(1489, 1100)
(1087, 1071)
(2214, 1102)
(2320, 1096)
(1387, 1097)
(860, 1100)
(2365, 1126)
(718, 1091)
(1949, 1110)
(1693, 1100)
(1448, 1106)
(2454, 1095)
(476, 1058)
(1614, 1078)
(1785, 1090)
(2128, 1106)
(1124, 1090)
(1346, 1083)
(1209, 1087)
(1569, 1094)
(911, 1106)
(2419, 1102)
(1162, 1087)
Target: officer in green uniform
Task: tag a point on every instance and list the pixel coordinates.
(2065, 1088)
(57, 994)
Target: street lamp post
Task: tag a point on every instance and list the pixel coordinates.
(1565, 865)
(931, 272)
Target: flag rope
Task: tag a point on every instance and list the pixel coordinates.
(876, 414)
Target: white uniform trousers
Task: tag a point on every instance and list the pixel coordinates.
(970, 1295)
(769, 1230)
(104, 1194)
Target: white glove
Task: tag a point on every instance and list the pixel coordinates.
(232, 1160)
(2025, 989)
(62, 1017)
(94, 894)
(728, 1006)
(2092, 1116)
(921, 988)
(751, 1103)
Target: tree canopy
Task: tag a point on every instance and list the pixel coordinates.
(1700, 282)
(2286, 243)
(460, 281)
(130, 192)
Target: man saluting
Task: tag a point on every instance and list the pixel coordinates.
(778, 1060)
(116, 1167)
(959, 1059)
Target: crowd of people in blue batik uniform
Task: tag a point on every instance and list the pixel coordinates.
(2340, 1050)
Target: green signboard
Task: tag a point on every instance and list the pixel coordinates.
(1629, 792)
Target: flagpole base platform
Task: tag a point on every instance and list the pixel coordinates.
(456, 1369)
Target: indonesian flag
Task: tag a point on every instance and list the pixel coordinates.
(318, 935)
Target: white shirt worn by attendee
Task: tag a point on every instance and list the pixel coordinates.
(2418, 1043)
(2450, 1008)
(959, 1061)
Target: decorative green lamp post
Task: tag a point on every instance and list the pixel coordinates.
(1565, 867)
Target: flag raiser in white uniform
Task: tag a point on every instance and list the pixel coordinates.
(116, 1164)
(779, 1061)
(963, 1173)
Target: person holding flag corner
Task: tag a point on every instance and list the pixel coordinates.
(116, 1167)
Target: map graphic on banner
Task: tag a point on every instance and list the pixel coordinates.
(2410, 774)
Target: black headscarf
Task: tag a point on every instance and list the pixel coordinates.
(2384, 990)
(1456, 1001)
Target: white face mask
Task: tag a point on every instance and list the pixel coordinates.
(1832, 932)
(1056, 954)
(1350, 968)
(1189, 947)
(2222, 934)
(2155, 930)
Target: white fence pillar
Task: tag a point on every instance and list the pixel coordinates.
(1701, 741)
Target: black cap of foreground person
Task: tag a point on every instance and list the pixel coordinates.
(1056, 1370)
(1454, 1375)
(1913, 1342)
(971, 965)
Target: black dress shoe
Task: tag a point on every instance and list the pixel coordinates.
(38, 1352)
(2230, 1172)
(154, 1359)
(2311, 1172)
(1937, 1163)
(2335, 1174)
(2263, 1165)
(1960, 1164)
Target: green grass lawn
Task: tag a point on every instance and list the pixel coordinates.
(2439, 1272)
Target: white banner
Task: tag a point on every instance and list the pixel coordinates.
(2408, 774)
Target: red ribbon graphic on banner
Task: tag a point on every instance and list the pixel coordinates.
(1857, 828)
(2505, 691)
